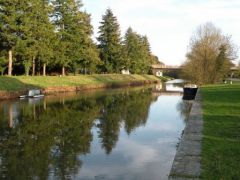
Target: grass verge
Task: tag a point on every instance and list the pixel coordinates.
(16, 83)
(221, 142)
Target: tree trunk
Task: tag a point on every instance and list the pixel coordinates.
(33, 66)
(63, 71)
(44, 69)
(10, 62)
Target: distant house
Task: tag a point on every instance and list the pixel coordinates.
(157, 69)
(125, 71)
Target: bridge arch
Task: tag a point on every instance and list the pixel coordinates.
(160, 69)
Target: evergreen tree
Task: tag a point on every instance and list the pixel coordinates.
(39, 36)
(3, 62)
(131, 47)
(146, 54)
(63, 20)
(42, 33)
(138, 52)
(110, 43)
(74, 31)
(25, 29)
(87, 57)
(11, 27)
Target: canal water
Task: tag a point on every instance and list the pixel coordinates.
(129, 133)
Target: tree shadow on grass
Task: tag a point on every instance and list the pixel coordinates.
(13, 84)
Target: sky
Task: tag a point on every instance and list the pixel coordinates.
(169, 24)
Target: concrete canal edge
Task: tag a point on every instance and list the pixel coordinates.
(187, 161)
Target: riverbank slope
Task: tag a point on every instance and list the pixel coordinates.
(11, 87)
(221, 140)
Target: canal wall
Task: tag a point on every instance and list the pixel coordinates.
(187, 161)
(61, 89)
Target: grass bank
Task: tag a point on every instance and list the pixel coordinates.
(19, 83)
(221, 142)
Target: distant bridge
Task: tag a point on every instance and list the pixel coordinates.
(165, 67)
(157, 69)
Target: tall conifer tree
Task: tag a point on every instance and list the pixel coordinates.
(39, 35)
(74, 31)
(11, 27)
(42, 32)
(110, 43)
(138, 52)
(86, 57)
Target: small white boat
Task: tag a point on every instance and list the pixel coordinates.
(33, 93)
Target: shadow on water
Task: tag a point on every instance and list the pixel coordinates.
(44, 137)
(184, 107)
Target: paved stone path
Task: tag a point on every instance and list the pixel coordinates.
(186, 164)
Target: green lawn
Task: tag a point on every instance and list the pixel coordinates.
(221, 142)
(24, 82)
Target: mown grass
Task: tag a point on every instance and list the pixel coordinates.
(15, 83)
(221, 142)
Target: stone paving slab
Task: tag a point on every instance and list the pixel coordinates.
(187, 161)
(189, 148)
(188, 166)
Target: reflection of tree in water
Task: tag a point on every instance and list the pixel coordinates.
(137, 110)
(72, 136)
(48, 139)
(49, 143)
(130, 109)
(110, 120)
(184, 107)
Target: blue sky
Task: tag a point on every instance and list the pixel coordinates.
(169, 24)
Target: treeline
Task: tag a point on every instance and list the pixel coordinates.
(42, 36)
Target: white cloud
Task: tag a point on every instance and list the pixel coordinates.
(141, 162)
(169, 24)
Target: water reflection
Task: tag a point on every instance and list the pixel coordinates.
(184, 108)
(63, 136)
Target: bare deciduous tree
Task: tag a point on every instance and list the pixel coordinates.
(210, 56)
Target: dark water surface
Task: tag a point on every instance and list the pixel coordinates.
(113, 134)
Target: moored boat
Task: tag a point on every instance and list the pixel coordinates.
(189, 91)
(33, 93)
